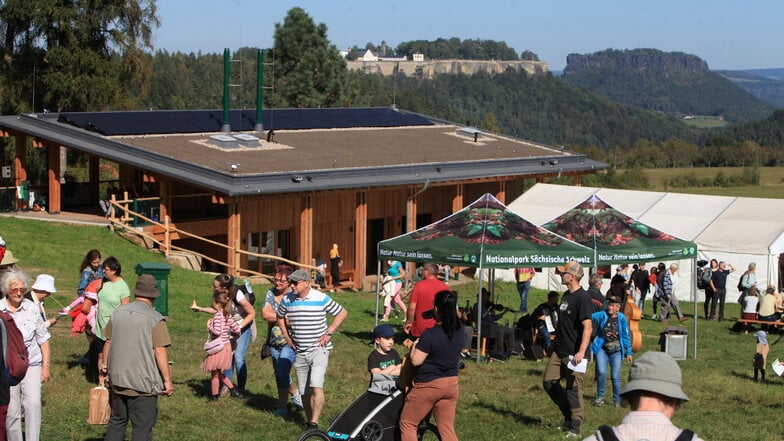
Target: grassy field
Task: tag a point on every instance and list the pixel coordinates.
(705, 122)
(499, 401)
(771, 181)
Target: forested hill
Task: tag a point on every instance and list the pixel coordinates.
(765, 84)
(542, 108)
(672, 82)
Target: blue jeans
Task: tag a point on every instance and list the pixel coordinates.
(522, 288)
(282, 360)
(602, 359)
(239, 360)
(545, 335)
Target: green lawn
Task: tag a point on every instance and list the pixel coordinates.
(705, 122)
(499, 401)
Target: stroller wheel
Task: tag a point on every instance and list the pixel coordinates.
(372, 431)
(314, 435)
(428, 432)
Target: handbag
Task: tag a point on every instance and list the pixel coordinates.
(213, 346)
(265, 350)
(99, 412)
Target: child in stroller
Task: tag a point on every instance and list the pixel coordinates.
(374, 415)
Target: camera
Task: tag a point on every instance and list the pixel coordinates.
(429, 314)
(702, 262)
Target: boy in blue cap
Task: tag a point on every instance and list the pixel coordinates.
(384, 359)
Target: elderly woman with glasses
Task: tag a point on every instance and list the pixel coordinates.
(281, 353)
(27, 394)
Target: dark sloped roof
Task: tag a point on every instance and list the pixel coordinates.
(202, 121)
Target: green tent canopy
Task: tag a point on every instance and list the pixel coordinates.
(485, 234)
(617, 238)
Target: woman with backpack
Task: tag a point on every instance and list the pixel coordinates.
(27, 394)
(746, 281)
(243, 313)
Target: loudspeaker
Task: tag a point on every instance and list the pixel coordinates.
(676, 345)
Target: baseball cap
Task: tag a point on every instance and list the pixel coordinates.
(656, 372)
(298, 276)
(385, 331)
(572, 267)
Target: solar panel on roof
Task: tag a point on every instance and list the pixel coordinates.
(196, 121)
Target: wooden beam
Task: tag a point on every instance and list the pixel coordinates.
(501, 194)
(20, 162)
(360, 238)
(457, 201)
(306, 229)
(53, 175)
(233, 233)
(164, 192)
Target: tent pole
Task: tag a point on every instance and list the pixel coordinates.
(378, 287)
(479, 317)
(694, 299)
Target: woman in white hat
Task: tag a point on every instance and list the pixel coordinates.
(41, 289)
(27, 394)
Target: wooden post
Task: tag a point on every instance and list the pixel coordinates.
(166, 236)
(411, 213)
(501, 195)
(234, 235)
(360, 238)
(164, 189)
(53, 177)
(576, 180)
(20, 161)
(306, 229)
(457, 201)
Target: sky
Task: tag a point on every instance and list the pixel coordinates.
(727, 34)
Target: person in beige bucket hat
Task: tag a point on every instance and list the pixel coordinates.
(654, 393)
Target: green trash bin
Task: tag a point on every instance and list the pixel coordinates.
(160, 271)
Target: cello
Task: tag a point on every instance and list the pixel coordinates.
(633, 316)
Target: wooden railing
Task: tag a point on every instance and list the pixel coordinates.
(170, 230)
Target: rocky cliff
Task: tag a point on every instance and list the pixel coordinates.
(428, 69)
(635, 60)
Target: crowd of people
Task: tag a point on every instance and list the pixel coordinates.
(571, 328)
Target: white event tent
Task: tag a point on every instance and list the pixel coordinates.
(737, 230)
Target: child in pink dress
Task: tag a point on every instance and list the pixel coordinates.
(221, 326)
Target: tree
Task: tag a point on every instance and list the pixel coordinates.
(100, 47)
(309, 71)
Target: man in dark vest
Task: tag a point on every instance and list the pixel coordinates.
(136, 348)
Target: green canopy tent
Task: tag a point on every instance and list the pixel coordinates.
(616, 238)
(485, 234)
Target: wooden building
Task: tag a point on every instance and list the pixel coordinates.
(312, 178)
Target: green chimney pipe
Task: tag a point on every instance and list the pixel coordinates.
(226, 127)
(259, 127)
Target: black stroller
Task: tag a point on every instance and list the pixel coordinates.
(373, 416)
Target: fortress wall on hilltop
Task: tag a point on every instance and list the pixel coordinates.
(428, 69)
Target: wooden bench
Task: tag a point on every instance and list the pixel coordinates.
(747, 322)
(347, 278)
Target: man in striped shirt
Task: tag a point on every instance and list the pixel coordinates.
(302, 317)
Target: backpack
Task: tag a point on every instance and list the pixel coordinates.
(14, 350)
(703, 277)
(607, 434)
(247, 291)
(740, 283)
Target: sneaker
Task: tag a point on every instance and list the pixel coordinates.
(281, 412)
(617, 404)
(565, 425)
(235, 393)
(311, 425)
(683, 319)
(297, 400)
(572, 434)
(599, 402)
